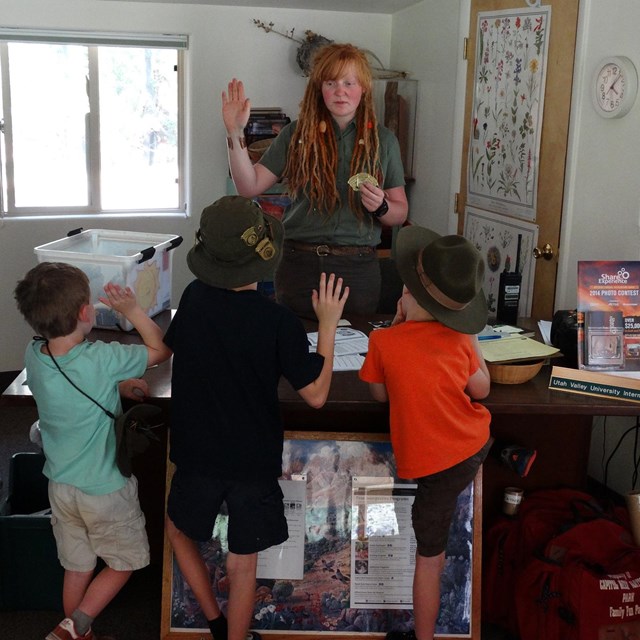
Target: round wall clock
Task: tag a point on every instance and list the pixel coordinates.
(615, 86)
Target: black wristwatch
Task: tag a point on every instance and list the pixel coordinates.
(381, 210)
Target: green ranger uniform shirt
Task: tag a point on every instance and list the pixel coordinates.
(342, 227)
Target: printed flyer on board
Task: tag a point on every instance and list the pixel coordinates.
(383, 545)
(609, 316)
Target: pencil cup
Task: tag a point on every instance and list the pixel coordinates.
(633, 505)
(512, 500)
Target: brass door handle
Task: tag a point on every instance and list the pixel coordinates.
(546, 252)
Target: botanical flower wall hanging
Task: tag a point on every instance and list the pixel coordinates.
(508, 105)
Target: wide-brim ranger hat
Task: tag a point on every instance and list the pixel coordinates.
(445, 275)
(237, 244)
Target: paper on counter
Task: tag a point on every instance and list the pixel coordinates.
(348, 341)
(516, 349)
(504, 331)
(507, 329)
(348, 363)
(343, 334)
(545, 330)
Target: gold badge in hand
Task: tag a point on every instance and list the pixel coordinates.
(359, 178)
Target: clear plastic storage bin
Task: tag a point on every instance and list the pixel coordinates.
(142, 261)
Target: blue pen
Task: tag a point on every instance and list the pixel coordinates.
(489, 337)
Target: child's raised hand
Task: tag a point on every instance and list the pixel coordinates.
(329, 299)
(119, 299)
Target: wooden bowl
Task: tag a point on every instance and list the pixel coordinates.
(514, 372)
(257, 148)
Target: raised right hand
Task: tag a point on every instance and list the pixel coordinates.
(329, 299)
(235, 108)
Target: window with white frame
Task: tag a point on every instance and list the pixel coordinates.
(90, 123)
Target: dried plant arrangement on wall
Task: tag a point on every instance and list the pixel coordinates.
(313, 41)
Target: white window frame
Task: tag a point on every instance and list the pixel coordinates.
(92, 40)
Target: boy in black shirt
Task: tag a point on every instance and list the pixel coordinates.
(231, 346)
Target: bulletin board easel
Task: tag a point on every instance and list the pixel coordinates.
(351, 454)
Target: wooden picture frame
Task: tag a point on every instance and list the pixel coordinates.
(352, 454)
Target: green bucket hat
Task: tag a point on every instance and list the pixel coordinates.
(236, 244)
(445, 275)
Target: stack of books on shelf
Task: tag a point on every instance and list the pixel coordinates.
(608, 317)
(264, 123)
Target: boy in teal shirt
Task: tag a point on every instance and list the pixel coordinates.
(95, 509)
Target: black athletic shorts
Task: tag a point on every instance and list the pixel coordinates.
(255, 509)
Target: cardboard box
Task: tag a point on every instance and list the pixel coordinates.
(142, 261)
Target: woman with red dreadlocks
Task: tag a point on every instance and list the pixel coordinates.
(344, 174)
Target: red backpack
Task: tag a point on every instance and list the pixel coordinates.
(586, 586)
(510, 545)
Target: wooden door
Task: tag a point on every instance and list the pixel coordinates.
(555, 127)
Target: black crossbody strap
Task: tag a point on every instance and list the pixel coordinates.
(71, 382)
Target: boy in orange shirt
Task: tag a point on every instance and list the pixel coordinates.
(429, 366)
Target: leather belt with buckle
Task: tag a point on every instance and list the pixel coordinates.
(329, 250)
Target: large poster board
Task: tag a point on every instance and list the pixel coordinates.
(348, 564)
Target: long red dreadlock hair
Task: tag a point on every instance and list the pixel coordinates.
(313, 155)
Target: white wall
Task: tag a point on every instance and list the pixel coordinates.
(601, 219)
(602, 192)
(224, 43)
(427, 39)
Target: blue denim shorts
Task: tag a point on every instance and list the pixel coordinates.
(255, 509)
(436, 500)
